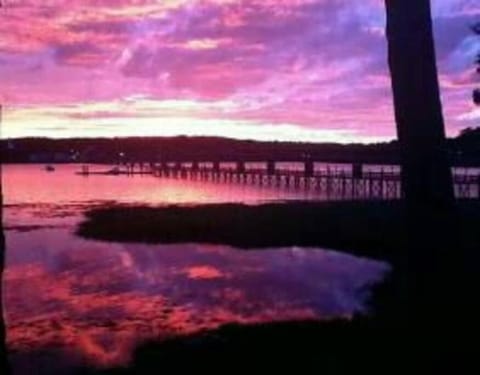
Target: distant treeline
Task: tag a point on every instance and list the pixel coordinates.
(464, 149)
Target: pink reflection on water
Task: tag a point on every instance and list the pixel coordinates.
(100, 299)
(203, 272)
(30, 184)
(93, 302)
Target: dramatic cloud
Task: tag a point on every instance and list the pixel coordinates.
(265, 69)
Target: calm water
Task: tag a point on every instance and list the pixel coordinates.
(71, 301)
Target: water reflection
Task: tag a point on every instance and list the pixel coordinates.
(87, 301)
(30, 184)
(101, 298)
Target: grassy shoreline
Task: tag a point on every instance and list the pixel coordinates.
(370, 229)
(358, 228)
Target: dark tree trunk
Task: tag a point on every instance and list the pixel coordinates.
(427, 180)
(3, 350)
(433, 254)
(476, 92)
(4, 368)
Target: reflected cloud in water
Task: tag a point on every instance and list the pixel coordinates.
(101, 299)
(72, 301)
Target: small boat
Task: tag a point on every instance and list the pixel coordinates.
(114, 171)
(49, 168)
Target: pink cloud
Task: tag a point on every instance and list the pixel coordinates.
(313, 64)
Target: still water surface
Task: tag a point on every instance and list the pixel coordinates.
(71, 301)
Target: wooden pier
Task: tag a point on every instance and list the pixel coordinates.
(346, 182)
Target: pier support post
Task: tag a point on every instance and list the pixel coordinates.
(241, 167)
(215, 171)
(478, 186)
(308, 168)
(270, 167)
(357, 171)
(166, 169)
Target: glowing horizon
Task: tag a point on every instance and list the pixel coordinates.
(298, 70)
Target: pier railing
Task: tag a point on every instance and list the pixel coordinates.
(350, 182)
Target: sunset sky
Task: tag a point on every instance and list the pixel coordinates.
(302, 70)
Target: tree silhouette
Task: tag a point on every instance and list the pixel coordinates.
(476, 92)
(3, 350)
(418, 112)
(426, 175)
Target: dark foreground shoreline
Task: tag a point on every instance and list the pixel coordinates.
(302, 347)
(360, 346)
(383, 343)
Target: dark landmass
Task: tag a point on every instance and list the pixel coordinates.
(297, 347)
(463, 150)
(377, 344)
(306, 347)
(372, 229)
(360, 346)
(104, 150)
